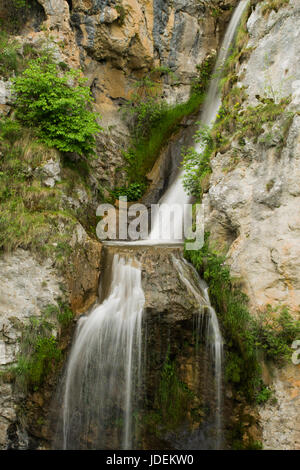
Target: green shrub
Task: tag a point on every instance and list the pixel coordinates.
(55, 105)
(145, 107)
(153, 122)
(62, 312)
(8, 55)
(201, 82)
(275, 330)
(245, 335)
(39, 354)
(133, 192)
(264, 395)
(197, 164)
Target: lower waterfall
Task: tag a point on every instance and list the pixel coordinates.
(102, 379)
(210, 330)
(101, 393)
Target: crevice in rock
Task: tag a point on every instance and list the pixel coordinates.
(69, 2)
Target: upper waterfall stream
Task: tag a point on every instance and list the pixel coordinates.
(176, 194)
(102, 382)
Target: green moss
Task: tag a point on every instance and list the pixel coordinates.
(39, 354)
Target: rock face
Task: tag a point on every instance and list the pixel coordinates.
(171, 298)
(281, 428)
(27, 287)
(252, 206)
(171, 324)
(119, 41)
(116, 43)
(83, 277)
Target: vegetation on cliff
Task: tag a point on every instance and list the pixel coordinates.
(55, 106)
(153, 122)
(271, 333)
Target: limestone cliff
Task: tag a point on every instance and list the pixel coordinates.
(252, 206)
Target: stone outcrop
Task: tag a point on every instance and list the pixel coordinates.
(83, 275)
(281, 429)
(252, 206)
(172, 298)
(27, 288)
(120, 40)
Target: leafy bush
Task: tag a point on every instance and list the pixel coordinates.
(275, 330)
(145, 107)
(55, 105)
(263, 396)
(197, 164)
(133, 192)
(205, 70)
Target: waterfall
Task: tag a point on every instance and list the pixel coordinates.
(104, 368)
(175, 194)
(101, 385)
(212, 335)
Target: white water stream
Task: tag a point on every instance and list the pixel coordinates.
(175, 194)
(104, 367)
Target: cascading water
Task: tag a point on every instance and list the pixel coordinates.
(103, 375)
(175, 194)
(104, 369)
(212, 335)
